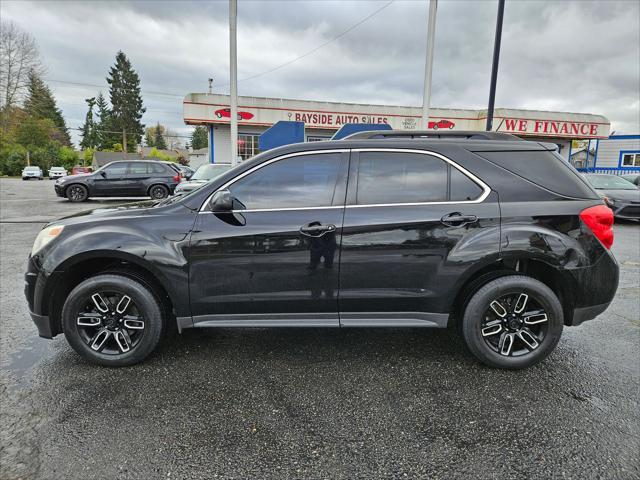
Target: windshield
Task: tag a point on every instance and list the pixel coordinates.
(207, 172)
(610, 182)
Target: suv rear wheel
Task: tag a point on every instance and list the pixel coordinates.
(158, 192)
(112, 320)
(512, 322)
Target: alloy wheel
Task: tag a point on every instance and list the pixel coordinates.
(110, 323)
(76, 193)
(515, 325)
(158, 192)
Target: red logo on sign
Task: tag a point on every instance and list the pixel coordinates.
(226, 113)
(441, 124)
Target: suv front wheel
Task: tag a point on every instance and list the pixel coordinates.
(512, 322)
(112, 320)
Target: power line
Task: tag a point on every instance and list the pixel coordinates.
(313, 50)
(94, 85)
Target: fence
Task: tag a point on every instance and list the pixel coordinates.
(610, 170)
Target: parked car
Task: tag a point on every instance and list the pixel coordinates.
(633, 178)
(441, 124)
(496, 235)
(203, 174)
(125, 178)
(187, 172)
(32, 172)
(622, 196)
(79, 170)
(57, 172)
(226, 113)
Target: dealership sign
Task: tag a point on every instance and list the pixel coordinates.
(214, 109)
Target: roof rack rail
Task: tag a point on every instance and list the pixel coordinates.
(467, 135)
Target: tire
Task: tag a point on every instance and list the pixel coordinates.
(435, 127)
(158, 192)
(143, 311)
(77, 193)
(499, 336)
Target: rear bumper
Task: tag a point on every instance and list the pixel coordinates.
(43, 324)
(583, 314)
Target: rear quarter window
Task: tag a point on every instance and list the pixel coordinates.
(544, 168)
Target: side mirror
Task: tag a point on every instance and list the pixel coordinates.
(103, 173)
(222, 201)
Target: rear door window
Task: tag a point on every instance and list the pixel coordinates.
(138, 168)
(400, 177)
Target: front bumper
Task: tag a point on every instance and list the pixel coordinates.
(59, 190)
(630, 211)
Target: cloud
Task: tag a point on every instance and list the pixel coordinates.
(568, 56)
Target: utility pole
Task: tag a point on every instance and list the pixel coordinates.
(494, 66)
(28, 159)
(428, 67)
(124, 144)
(233, 64)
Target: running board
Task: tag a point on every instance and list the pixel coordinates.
(317, 320)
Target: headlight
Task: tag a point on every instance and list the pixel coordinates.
(45, 236)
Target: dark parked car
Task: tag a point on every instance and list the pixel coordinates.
(497, 236)
(126, 178)
(619, 194)
(202, 176)
(633, 178)
(187, 172)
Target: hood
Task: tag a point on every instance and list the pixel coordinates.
(127, 210)
(623, 195)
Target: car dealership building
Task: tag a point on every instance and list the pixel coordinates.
(323, 119)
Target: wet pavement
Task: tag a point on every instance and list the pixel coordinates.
(311, 403)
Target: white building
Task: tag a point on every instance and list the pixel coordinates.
(616, 154)
(323, 119)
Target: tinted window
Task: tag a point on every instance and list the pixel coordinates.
(387, 177)
(462, 187)
(157, 168)
(305, 181)
(116, 170)
(544, 168)
(138, 168)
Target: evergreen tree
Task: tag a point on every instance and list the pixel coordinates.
(149, 137)
(199, 138)
(105, 136)
(41, 104)
(159, 141)
(126, 101)
(89, 131)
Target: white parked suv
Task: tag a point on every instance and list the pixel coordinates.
(57, 172)
(32, 172)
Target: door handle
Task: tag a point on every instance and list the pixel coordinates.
(457, 219)
(316, 229)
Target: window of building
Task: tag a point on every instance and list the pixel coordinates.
(297, 182)
(631, 159)
(389, 177)
(248, 145)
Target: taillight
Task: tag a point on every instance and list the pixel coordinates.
(177, 178)
(600, 220)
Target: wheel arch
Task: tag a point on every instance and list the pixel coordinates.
(82, 266)
(561, 284)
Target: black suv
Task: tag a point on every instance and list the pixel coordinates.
(126, 178)
(497, 236)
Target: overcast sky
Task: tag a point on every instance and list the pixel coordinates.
(578, 56)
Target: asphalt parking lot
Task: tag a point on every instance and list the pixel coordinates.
(307, 403)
